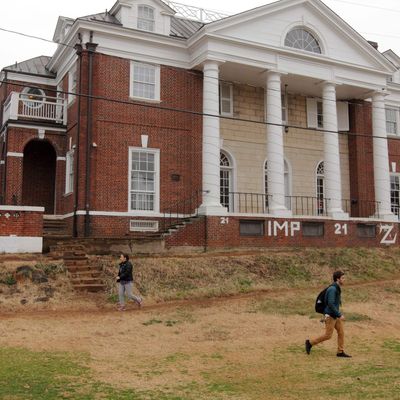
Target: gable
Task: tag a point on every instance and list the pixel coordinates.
(128, 14)
(268, 26)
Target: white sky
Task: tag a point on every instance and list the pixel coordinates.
(377, 21)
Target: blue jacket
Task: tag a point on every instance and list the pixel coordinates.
(333, 301)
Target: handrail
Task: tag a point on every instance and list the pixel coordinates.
(182, 209)
(252, 203)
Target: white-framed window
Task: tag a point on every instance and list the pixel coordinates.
(69, 172)
(395, 193)
(146, 18)
(286, 177)
(320, 115)
(145, 81)
(284, 101)
(72, 83)
(392, 121)
(226, 180)
(320, 184)
(144, 179)
(33, 97)
(315, 114)
(300, 38)
(226, 99)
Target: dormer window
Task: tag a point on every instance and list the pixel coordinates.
(146, 18)
(299, 38)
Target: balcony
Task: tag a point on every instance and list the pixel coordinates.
(20, 106)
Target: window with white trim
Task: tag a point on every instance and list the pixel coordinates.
(146, 18)
(226, 172)
(315, 114)
(392, 118)
(226, 99)
(395, 193)
(284, 108)
(72, 83)
(300, 38)
(145, 81)
(320, 115)
(69, 172)
(33, 97)
(144, 179)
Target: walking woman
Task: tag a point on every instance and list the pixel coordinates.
(125, 280)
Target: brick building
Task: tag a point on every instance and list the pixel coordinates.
(275, 126)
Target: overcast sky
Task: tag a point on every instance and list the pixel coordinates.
(377, 21)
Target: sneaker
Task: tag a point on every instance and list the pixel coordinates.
(343, 354)
(308, 346)
(121, 308)
(139, 302)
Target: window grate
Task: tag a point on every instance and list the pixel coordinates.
(143, 226)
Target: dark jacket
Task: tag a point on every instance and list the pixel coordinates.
(125, 272)
(333, 301)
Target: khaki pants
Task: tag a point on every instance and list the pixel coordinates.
(330, 325)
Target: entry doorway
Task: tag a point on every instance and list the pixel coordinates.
(39, 174)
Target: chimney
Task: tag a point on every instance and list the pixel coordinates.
(373, 44)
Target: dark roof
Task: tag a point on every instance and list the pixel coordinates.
(102, 17)
(34, 66)
(180, 27)
(184, 28)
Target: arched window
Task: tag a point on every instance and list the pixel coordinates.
(33, 97)
(286, 183)
(299, 38)
(320, 188)
(225, 174)
(145, 18)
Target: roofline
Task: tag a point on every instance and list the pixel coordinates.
(283, 4)
(53, 76)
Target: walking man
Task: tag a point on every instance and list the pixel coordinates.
(125, 280)
(334, 319)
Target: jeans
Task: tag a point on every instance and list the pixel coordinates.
(125, 288)
(330, 325)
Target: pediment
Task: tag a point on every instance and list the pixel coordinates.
(268, 26)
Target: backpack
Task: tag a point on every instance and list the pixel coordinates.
(320, 302)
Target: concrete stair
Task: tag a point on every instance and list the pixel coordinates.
(83, 275)
(55, 228)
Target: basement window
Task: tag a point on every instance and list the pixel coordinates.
(366, 230)
(313, 229)
(143, 226)
(251, 228)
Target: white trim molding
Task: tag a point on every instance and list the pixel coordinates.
(21, 208)
(14, 154)
(21, 244)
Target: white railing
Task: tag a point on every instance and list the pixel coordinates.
(43, 108)
(195, 13)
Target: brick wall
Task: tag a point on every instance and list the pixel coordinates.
(21, 229)
(361, 159)
(217, 232)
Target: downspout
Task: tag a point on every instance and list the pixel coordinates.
(5, 147)
(91, 48)
(78, 48)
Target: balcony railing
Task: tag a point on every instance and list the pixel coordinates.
(258, 203)
(20, 106)
(248, 203)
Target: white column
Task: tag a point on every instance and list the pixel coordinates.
(333, 184)
(381, 157)
(211, 141)
(275, 159)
